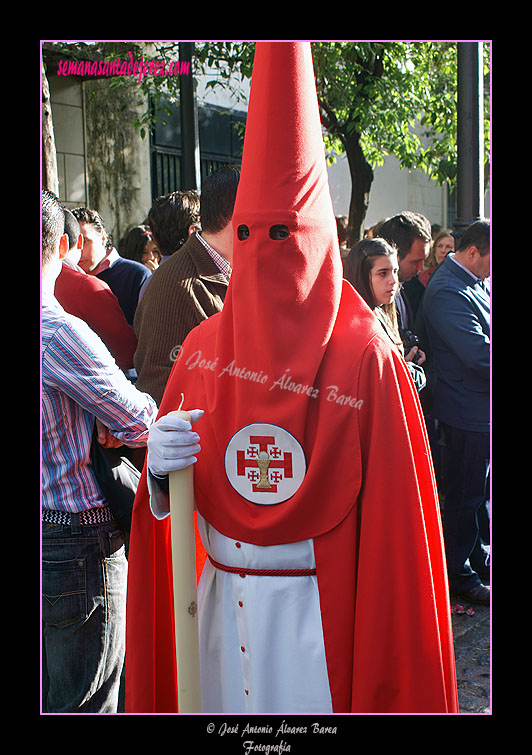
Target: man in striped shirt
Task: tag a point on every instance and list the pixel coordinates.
(84, 567)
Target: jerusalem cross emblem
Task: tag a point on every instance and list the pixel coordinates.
(265, 463)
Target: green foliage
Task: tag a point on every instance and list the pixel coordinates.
(376, 98)
(394, 98)
(229, 63)
(390, 98)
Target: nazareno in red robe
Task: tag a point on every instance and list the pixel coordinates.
(296, 348)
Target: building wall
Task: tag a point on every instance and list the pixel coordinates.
(392, 191)
(68, 119)
(103, 162)
(118, 158)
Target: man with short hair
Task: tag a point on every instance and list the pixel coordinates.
(84, 566)
(172, 218)
(91, 299)
(124, 277)
(410, 233)
(191, 284)
(456, 311)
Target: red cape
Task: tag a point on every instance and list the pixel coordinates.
(296, 365)
(381, 570)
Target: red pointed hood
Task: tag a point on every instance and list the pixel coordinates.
(264, 368)
(285, 292)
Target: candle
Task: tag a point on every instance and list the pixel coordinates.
(181, 484)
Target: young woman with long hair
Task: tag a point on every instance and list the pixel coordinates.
(372, 269)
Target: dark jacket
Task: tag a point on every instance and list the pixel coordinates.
(125, 278)
(456, 310)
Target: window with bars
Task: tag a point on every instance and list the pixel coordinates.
(166, 171)
(220, 137)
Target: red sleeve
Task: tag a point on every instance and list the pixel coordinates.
(151, 675)
(381, 571)
(403, 644)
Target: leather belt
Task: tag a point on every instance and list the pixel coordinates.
(243, 572)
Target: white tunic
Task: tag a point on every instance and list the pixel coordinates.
(261, 638)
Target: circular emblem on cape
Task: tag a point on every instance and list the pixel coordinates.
(264, 463)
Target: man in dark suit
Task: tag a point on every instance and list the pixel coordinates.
(456, 310)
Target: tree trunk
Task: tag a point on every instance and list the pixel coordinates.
(361, 180)
(50, 178)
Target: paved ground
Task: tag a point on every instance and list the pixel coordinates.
(473, 658)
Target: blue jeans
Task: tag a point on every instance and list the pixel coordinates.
(84, 579)
(468, 465)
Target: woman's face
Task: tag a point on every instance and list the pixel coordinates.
(442, 248)
(151, 256)
(384, 279)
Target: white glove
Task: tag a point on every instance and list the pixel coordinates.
(172, 443)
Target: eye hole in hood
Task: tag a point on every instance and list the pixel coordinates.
(242, 232)
(279, 232)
